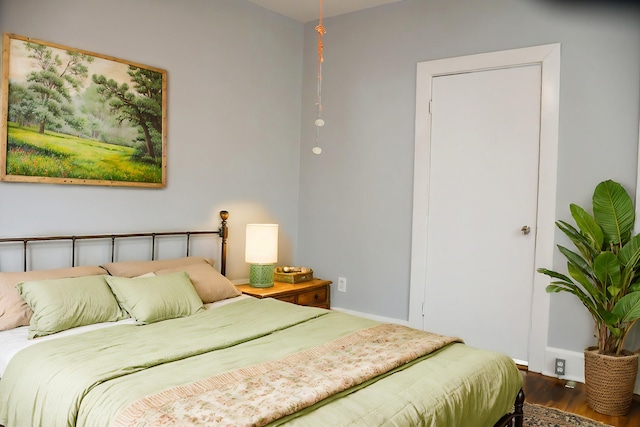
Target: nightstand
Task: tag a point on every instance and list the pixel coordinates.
(314, 293)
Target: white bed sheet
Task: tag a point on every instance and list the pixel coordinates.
(14, 340)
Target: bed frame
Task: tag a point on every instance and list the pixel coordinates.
(223, 232)
(514, 419)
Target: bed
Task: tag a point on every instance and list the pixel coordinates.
(171, 342)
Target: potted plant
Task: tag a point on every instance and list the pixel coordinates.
(604, 274)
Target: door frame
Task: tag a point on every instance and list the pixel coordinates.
(548, 56)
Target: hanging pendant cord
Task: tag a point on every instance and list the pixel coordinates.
(319, 121)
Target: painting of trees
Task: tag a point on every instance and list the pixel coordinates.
(51, 81)
(142, 107)
(76, 117)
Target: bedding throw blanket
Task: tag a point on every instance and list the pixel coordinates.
(259, 394)
(264, 359)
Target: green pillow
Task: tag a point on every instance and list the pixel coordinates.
(60, 304)
(155, 298)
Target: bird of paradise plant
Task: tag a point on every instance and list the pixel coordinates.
(604, 272)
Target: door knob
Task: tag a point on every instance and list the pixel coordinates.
(525, 230)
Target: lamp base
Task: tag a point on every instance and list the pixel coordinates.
(261, 275)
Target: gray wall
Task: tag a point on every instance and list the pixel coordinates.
(356, 198)
(234, 99)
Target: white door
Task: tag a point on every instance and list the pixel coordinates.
(483, 188)
(548, 57)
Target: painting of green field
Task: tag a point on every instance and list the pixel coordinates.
(76, 117)
(53, 155)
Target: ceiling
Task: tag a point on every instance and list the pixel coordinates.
(309, 10)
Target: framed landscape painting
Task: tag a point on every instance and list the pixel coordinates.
(75, 117)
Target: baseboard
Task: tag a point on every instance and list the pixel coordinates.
(574, 365)
(372, 316)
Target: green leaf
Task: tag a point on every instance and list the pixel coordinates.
(616, 332)
(575, 290)
(577, 260)
(628, 308)
(554, 274)
(613, 211)
(594, 291)
(609, 318)
(588, 226)
(606, 267)
(613, 291)
(580, 241)
(629, 255)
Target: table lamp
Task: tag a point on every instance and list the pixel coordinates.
(261, 251)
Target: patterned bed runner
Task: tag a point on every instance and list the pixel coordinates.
(262, 393)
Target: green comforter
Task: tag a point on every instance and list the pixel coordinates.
(87, 379)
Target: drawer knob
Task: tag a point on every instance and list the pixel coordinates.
(316, 296)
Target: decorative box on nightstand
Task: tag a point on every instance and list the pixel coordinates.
(313, 293)
(298, 275)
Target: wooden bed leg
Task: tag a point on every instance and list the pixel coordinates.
(518, 411)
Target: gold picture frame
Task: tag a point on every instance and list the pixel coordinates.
(71, 116)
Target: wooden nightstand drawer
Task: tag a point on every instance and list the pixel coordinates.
(314, 297)
(287, 298)
(314, 292)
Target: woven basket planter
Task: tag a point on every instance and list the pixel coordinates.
(610, 381)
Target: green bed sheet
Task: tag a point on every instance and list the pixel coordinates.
(87, 379)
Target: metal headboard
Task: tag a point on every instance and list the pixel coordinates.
(223, 232)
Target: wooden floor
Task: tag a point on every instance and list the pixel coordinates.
(549, 391)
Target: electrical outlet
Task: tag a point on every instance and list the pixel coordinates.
(561, 366)
(342, 284)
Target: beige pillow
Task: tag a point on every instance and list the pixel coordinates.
(138, 268)
(14, 311)
(210, 285)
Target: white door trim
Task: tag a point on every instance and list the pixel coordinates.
(548, 56)
(636, 228)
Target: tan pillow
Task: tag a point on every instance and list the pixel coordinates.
(14, 311)
(210, 285)
(138, 268)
